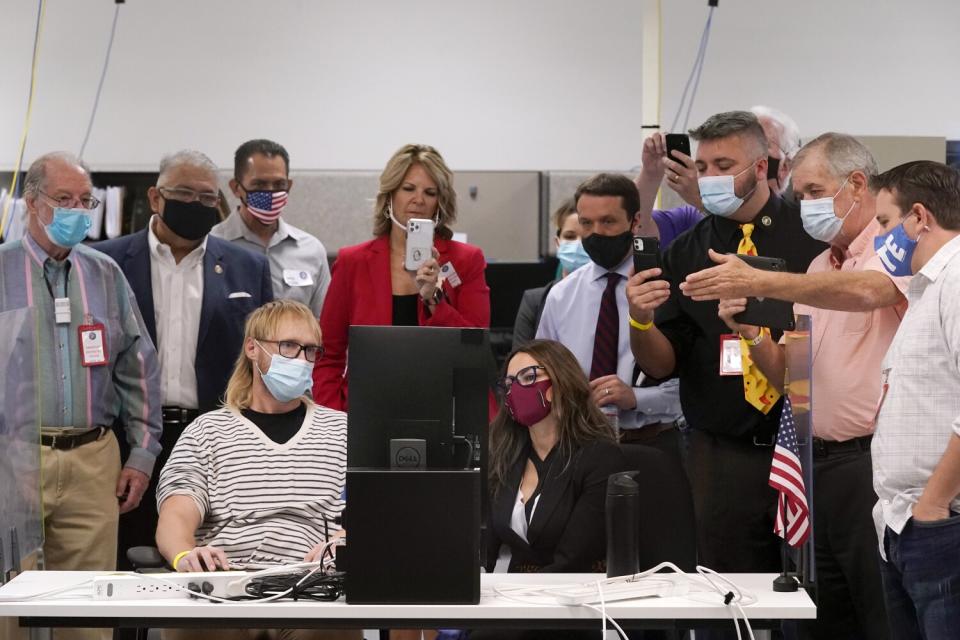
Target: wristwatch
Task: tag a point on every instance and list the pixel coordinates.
(435, 298)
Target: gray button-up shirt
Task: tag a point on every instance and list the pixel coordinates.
(298, 261)
(920, 408)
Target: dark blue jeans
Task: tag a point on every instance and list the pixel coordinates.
(921, 580)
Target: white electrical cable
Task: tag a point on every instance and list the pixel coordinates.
(45, 594)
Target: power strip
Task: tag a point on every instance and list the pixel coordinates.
(222, 584)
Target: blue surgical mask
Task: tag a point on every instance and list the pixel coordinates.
(819, 219)
(895, 250)
(719, 195)
(571, 255)
(287, 378)
(68, 227)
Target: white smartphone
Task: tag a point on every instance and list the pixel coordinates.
(419, 243)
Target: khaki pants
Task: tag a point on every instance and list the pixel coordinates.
(80, 513)
(261, 634)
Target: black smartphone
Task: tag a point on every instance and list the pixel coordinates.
(767, 312)
(646, 254)
(678, 142)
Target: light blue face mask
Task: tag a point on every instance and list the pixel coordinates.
(820, 220)
(895, 250)
(571, 255)
(68, 227)
(287, 378)
(719, 196)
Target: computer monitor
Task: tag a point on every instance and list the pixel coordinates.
(418, 392)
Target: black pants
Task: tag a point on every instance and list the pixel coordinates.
(138, 528)
(849, 587)
(734, 505)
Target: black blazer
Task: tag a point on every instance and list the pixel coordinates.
(227, 269)
(567, 532)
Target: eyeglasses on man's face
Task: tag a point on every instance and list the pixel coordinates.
(290, 349)
(183, 194)
(69, 202)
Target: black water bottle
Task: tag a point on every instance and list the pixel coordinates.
(623, 514)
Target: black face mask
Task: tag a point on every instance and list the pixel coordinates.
(608, 251)
(773, 168)
(189, 220)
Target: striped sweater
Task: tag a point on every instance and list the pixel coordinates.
(261, 502)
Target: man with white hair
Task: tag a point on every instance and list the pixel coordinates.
(856, 307)
(194, 291)
(783, 143)
(95, 365)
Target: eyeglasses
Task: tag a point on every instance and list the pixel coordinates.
(525, 377)
(183, 194)
(66, 202)
(292, 350)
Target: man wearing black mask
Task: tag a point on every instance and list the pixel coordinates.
(587, 312)
(194, 292)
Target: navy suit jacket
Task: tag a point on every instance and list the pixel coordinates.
(227, 269)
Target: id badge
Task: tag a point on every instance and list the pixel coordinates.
(450, 274)
(93, 345)
(61, 310)
(730, 362)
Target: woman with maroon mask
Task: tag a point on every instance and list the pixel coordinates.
(551, 451)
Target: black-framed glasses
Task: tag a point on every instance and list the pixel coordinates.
(291, 349)
(525, 377)
(67, 202)
(183, 194)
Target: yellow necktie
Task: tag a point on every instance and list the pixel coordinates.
(756, 388)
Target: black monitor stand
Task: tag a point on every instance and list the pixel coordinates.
(413, 536)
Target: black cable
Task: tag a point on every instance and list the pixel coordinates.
(319, 586)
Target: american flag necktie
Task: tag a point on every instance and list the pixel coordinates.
(606, 342)
(757, 390)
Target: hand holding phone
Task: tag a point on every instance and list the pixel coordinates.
(419, 243)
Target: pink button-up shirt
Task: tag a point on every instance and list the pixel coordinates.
(848, 346)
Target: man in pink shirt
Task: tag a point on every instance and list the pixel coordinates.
(856, 308)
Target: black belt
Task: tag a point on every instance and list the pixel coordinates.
(67, 442)
(179, 415)
(823, 448)
(648, 432)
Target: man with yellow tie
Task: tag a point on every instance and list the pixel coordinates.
(732, 409)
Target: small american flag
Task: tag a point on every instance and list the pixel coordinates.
(266, 205)
(786, 476)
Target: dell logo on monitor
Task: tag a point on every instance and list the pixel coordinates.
(408, 453)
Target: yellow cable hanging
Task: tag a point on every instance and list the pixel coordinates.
(26, 124)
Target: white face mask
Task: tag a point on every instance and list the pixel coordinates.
(719, 195)
(819, 219)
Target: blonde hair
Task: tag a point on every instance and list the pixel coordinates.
(392, 177)
(262, 324)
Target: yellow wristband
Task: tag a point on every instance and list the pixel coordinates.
(640, 326)
(177, 558)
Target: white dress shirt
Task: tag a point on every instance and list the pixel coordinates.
(570, 317)
(298, 261)
(177, 298)
(920, 410)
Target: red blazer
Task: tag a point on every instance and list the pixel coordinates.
(361, 293)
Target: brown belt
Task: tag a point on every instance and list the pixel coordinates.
(67, 442)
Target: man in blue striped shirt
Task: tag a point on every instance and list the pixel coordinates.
(96, 364)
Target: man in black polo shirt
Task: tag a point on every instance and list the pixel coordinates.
(730, 442)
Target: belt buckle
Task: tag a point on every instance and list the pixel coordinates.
(764, 444)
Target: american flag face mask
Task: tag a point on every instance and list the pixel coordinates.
(266, 206)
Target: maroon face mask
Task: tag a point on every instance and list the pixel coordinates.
(529, 405)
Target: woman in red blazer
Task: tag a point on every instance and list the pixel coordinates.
(370, 285)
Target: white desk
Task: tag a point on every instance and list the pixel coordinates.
(82, 610)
